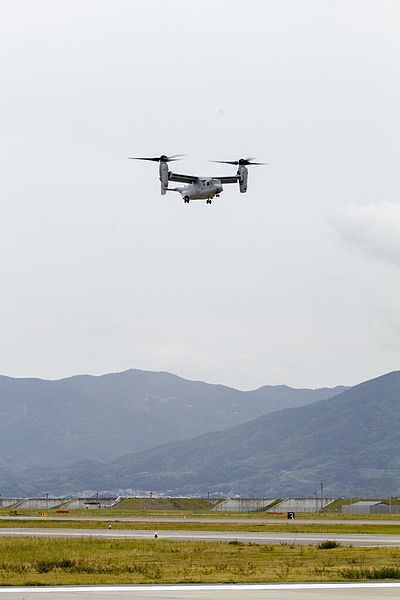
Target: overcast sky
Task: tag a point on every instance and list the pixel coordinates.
(295, 282)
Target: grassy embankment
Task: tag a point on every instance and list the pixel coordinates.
(161, 504)
(194, 507)
(30, 561)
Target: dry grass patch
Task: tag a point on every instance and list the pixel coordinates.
(33, 561)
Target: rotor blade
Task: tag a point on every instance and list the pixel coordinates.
(155, 159)
(163, 157)
(226, 162)
(249, 161)
(241, 161)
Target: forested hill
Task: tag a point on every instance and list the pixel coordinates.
(351, 442)
(100, 418)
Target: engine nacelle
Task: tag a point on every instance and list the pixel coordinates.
(163, 170)
(243, 173)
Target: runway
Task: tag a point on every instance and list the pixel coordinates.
(253, 521)
(375, 540)
(352, 591)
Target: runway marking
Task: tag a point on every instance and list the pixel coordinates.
(200, 588)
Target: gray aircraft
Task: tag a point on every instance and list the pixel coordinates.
(199, 188)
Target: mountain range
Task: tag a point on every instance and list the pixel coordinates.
(351, 441)
(101, 418)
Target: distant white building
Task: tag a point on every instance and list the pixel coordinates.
(371, 507)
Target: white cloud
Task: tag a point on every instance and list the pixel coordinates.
(375, 228)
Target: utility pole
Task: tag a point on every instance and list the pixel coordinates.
(322, 495)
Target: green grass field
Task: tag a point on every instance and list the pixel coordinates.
(163, 504)
(30, 561)
(278, 527)
(143, 514)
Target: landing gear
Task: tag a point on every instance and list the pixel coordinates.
(208, 201)
(186, 199)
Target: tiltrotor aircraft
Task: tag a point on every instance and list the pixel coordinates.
(199, 188)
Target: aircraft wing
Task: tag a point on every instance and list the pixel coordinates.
(182, 178)
(229, 179)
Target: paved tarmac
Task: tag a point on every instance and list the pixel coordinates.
(374, 540)
(209, 592)
(184, 519)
